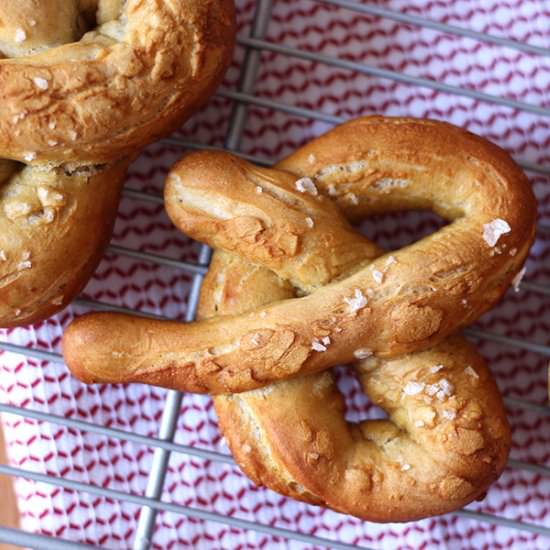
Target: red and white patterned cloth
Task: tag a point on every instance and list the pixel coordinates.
(124, 466)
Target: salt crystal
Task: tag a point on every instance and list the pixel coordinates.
(413, 388)
(378, 276)
(448, 414)
(318, 346)
(310, 223)
(518, 278)
(306, 185)
(471, 372)
(20, 35)
(41, 83)
(362, 353)
(494, 230)
(357, 302)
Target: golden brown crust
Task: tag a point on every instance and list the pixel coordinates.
(83, 84)
(133, 78)
(399, 303)
(54, 226)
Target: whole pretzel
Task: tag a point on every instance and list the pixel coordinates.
(287, 220)
(83, 85)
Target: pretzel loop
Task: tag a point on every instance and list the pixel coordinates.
(285, 219)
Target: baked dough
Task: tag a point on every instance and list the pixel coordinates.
(83, 85)
(286, 219)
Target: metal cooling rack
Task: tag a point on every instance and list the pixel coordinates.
(163, 444)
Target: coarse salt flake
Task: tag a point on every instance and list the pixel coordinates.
(405, 467)
(471, 372)
(378, 276)
(318, 346)
(353, 198)
(259, 190)
(413, 388)
(41, 83)
(29, 156)
(306, 185)
(362, 353)
(311, 158)
(492, 231)
(3, 256)
(436, 368)
(310, 223)
(24, 265)
(449, 414)
(20, 35)
(518, 278)
(326, 340)
(357, 302)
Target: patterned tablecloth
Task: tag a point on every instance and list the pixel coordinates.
(336, 32)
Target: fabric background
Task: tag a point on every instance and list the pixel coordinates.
(119, 280)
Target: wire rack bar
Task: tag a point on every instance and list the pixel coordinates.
(163, 506)
(437, 26)
(169, 419)
(200, 268)
(40, 542)
(542, 349)
(528, 166)
(504, 522)
(197, 452)
(395, 76)
(235, 522)
(167, 431)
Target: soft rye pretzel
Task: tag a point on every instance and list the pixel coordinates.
(83, 84)
(432, 288)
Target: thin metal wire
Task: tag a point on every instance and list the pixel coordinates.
(371, 9)
(199, 269)
(188, 511)
(235, 522)
(394, 75)
(154, 442)
(40, 542)
(164, 443)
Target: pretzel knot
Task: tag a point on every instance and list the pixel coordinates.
(292, 290)
(83, 85)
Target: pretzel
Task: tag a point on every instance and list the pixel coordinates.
(83, 85)
(287, 221)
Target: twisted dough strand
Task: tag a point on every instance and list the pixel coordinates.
(370, 165)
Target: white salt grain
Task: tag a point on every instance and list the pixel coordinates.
(494, 230)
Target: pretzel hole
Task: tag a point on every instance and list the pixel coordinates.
(358, 407)
(396, 230)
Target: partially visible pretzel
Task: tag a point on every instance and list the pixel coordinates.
(141, 69)
(83, 85)
(395, 304)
